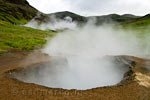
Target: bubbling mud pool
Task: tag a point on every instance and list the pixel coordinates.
(79, 73)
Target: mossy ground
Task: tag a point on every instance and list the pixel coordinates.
(21, 38)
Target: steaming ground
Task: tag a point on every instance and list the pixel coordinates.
(53, 23)
(74, 73)
(81, 58)
(93, 41)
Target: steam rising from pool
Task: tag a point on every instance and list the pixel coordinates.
(80, 58)
(74, 73)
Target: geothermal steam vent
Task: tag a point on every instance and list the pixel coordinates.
(74, 73)
(78, 60)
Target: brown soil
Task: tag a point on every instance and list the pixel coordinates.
(137, 87)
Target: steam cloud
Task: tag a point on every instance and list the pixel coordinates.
(53, 24)
(82, 61)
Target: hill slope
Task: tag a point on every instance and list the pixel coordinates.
(15, 36)
(16, 11)
(126, 18)
(143, 21)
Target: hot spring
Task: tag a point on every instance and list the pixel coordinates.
(83, 59)
(74, 73)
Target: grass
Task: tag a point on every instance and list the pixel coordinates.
(139, 27)
(13, 14)
(3, 51)
(21, 38)
(16, 13)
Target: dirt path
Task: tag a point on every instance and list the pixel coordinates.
(136, 89)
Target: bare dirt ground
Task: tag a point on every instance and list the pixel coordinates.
(137, 88)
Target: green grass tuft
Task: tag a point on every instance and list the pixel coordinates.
(22, 38)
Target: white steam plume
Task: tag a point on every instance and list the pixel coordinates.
(82, 64)
(94, 41)
(53, 24)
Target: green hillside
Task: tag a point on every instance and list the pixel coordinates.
(139, 22)
(21, 38)
(13, 13)
(16, 11)
(140, 25)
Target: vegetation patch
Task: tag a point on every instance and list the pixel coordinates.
(16, 11)
(21, 38)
